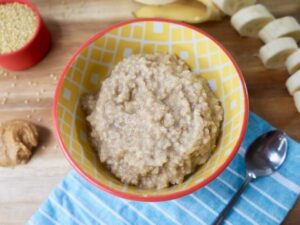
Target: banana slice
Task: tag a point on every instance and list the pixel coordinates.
(293, 83)
(297, 100)
(284, 27)
(274, 53)
(293, 62)
(191, 11)
(249, 20)
(229, 7)
(155, 2)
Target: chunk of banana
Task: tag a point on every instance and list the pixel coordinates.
(293, 83)
(190, 11)
(229, 7)
(155, 2)
(274, 53)
(249, 20)
(297, 100)
(284, 27)
(293, 62)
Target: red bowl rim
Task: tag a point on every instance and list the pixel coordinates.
(129, 195)
(38, 28)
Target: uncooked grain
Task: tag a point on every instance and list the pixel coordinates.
(18, 23)
(153, 122)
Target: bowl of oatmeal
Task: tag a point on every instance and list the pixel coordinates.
(150, 110)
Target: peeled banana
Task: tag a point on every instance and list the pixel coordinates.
(297, 100)
(284, 27)
(293, 62)
(190, 11)
(229, 7)
(293, 83)
(155, 2)
(249, 20)
(274, 53)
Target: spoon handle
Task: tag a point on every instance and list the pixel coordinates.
(231, 203)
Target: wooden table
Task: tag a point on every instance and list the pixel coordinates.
(29, 93)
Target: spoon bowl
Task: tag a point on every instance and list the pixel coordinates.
(266, 154)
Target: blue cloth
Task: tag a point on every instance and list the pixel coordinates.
(266, 201)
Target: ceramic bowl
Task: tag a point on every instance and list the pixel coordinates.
(94, 60)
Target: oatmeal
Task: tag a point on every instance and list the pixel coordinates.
(153, 122)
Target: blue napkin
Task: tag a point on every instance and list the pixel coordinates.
(266, 201)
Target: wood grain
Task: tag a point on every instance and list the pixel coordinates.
(29, 93)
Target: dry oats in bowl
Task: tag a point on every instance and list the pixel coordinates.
(24, 38)
(18, 24)
(166, 144)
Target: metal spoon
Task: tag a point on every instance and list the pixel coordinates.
(264, 156)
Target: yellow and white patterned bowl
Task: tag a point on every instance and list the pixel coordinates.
(94, 61)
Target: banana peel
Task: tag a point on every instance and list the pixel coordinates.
(213, 13)
(190, 11)
(155, 2)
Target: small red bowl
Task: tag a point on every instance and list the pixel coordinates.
(34, 50)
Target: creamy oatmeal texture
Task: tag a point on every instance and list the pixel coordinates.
(153, 122)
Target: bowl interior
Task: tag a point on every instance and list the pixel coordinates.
(95, 61)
